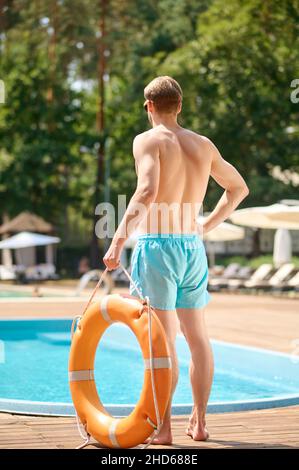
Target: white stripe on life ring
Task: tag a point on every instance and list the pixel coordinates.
(112, 435)
(104, 309)
(79, 375)
(159, 363)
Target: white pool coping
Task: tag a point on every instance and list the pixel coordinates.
(25, 407)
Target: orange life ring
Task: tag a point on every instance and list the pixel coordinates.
(101, 425)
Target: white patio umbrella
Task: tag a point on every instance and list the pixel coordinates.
(275, 216)
(222, 233)
(24, 243)
(28, 239)
(225, 232)
(289, 215)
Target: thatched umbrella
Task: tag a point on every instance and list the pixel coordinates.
(26, 222)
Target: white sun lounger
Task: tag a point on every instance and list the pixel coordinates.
(229, 272)
(291, 284)
(278, 277)
(260, 274)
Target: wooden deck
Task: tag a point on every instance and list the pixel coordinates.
(276, 428)
(262, 321)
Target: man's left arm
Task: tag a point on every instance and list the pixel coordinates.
(147, 163)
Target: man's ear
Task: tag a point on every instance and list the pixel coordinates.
(149, 116)
(150, 106)
(179, 107)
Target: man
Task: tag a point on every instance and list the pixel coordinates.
(169, 262)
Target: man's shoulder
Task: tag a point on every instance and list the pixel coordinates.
(145, 134)
(145, 137)
(146, 142)
(153, 136)
(199, 137)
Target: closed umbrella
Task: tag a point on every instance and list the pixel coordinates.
(282, 252)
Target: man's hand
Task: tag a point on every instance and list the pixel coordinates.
(112, 257)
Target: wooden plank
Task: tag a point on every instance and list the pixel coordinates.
(247, 430)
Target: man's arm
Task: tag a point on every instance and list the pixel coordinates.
(235, 187)
(147, 164)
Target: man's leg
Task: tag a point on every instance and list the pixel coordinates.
(192, 324)
(169, 321)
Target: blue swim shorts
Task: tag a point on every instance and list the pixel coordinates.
(171, 269)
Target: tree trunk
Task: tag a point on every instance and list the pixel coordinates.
(100, 123)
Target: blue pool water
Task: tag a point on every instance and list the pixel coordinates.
(15, 294)
(34, 367)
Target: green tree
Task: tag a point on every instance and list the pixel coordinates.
(235, 61)
(237, 73)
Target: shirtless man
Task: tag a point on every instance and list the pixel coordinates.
(169, 261)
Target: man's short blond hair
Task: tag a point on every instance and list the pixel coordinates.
(165, 92)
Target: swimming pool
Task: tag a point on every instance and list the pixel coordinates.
(34, 372)
(13, 294)
(17, 294)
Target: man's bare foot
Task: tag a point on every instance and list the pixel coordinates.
(197, 430)
(164, 437)
(200, 434)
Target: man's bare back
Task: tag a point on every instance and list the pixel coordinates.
(184, 174)
(184, 162)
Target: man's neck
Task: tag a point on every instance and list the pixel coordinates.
(169, 122)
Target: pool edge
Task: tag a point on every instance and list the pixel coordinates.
(35, 408)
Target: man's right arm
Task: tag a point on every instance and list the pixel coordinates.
(231, 181)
